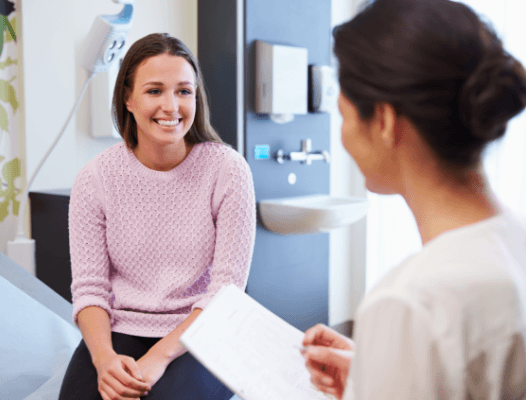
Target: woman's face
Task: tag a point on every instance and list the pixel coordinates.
(163, 100)
(363, 141)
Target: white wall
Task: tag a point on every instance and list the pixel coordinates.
(347, 245)
(52, 31)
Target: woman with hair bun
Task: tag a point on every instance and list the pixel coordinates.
(425, 87)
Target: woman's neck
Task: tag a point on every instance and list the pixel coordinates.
(162, 158)
(442, 204)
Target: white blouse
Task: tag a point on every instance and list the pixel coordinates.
(449, 322)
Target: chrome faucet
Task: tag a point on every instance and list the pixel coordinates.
(305, 156)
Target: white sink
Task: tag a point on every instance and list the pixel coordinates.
(311, 214)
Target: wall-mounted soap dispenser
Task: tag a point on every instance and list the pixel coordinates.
(281, 81)
(323, 88)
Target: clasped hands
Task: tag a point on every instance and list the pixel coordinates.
(121, 377)
(328, 359)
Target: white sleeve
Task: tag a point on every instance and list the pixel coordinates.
(396, 355)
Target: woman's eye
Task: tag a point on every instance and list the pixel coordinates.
(185, 91)
(154, 91)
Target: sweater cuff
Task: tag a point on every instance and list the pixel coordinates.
(203, 302)
(208, 297)
(87, 301)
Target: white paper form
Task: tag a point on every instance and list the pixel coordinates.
(251, 350)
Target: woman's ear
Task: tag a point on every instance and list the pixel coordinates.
(385, 116)
(127, 101)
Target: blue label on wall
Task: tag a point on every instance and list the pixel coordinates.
(262, 152)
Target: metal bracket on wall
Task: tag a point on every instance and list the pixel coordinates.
(305, 156)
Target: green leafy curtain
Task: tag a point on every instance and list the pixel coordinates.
(10, 164)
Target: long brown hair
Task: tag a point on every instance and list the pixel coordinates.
(150, 46)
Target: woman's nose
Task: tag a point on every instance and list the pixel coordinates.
(170, 103)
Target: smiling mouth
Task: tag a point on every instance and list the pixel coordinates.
(164, 122)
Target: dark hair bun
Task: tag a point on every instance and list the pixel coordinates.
(440, 65)
(493, 94)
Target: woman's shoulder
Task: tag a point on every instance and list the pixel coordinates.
(478, 251)
(91, 175)
(219, 150)
(221, 157)
(107, 157)
(479, 267)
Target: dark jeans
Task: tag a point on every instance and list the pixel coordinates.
(184, 379)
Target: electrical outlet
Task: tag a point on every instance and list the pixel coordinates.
(105, 40)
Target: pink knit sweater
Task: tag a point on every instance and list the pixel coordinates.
(150, 246)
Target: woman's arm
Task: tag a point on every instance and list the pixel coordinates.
(328, 359)
(90, 263)
(154, 362)
(94, 324)
(234, 208)
(118, 376)
(396, 355)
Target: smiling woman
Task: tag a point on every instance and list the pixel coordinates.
(158, 225)
(140, 52)
(162, 102)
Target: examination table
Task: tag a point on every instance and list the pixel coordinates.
(37, 336)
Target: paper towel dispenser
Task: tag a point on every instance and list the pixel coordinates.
(281, 80)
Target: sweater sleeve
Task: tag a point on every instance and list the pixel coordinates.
(235, 229)
(90, 264)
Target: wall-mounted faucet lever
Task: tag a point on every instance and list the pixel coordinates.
(305, 156)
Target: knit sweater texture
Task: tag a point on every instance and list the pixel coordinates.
(150, 246)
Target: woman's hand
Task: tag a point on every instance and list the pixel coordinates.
(328, 359)
(152, 367)
(119, 378)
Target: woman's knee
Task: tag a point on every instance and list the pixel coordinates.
(80, 379)
(189, 380)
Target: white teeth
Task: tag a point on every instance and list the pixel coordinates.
(167, 123)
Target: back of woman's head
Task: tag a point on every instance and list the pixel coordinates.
(150, 46)
(440, 66)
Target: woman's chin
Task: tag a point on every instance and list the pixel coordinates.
(173, 138)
